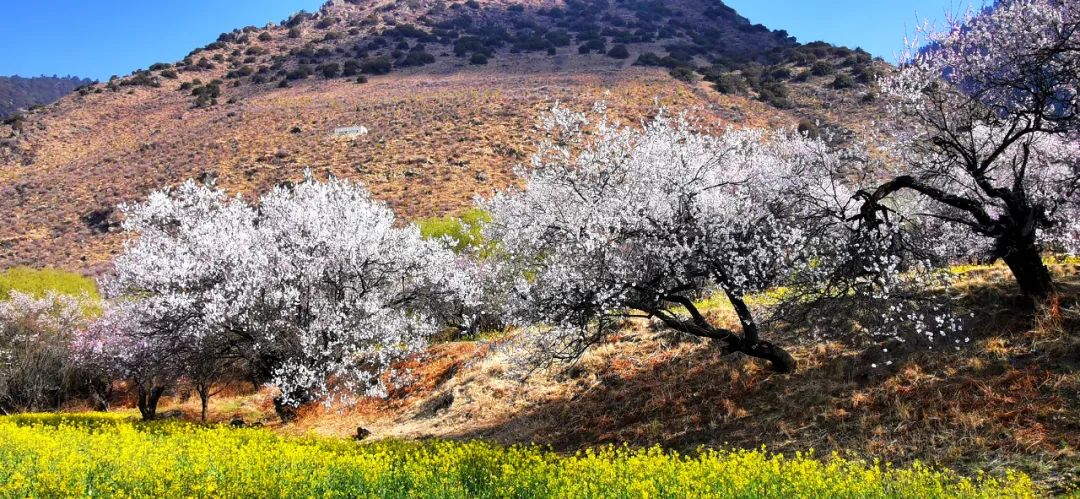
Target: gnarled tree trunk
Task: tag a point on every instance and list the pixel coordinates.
(1025, 261)
(148, 401)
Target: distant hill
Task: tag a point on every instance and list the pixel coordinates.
(449, 92)
(18, 93)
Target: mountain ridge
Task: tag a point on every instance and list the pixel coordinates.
(452, 93)
(18, 93)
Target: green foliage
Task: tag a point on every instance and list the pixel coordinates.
(40, 282)
(842, 81)
(619, 52)
(684, 74)
(375, 66)
(822, 68)
(66, 456)
(464, 232)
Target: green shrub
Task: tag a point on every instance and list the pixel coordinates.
(619, 52)
(39, 282)
(822, 68)
(464, 232)
(684, 74)
(842, 81)
(375, 66)
(417, 58)
(329, 70)
(478, 59)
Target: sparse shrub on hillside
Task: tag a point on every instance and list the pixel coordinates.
(417, 58)
(376, 66)
(329, 70)
(684, 74)
(775, 93)
(842, 81)
(822, 68)
(647, 59)
(593, 45)
(299, 73)
(265, 36)
(169, 73)
(350, 68)
(558, 38)
(730, 83)
(295, 32)
(478, 59)
(206, 95)
(619, 52)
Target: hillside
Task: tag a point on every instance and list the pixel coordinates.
(18, 93)
(448, 91)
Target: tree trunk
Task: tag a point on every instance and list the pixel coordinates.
(748, 343)
(204, 399)
(782, 361)
(1025, 262)
(148, 401)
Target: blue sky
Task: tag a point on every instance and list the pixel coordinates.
(878, 26)
(100, 38)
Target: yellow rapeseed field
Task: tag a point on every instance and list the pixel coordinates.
(113, 456)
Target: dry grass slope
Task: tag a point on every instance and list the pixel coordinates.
(439, 134)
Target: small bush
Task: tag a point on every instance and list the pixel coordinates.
(822, 68)
(329, 70)
(843, 81)
(619, 52)
(417, 58)
(684, 74)
(730, 83)
(265, 36)
(376, 66)
(478, 59)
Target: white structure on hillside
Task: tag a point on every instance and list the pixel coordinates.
(350, 132)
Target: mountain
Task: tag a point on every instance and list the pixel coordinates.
(18, 93)
(448, 92)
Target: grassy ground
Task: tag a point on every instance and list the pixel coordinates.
(108, 455)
